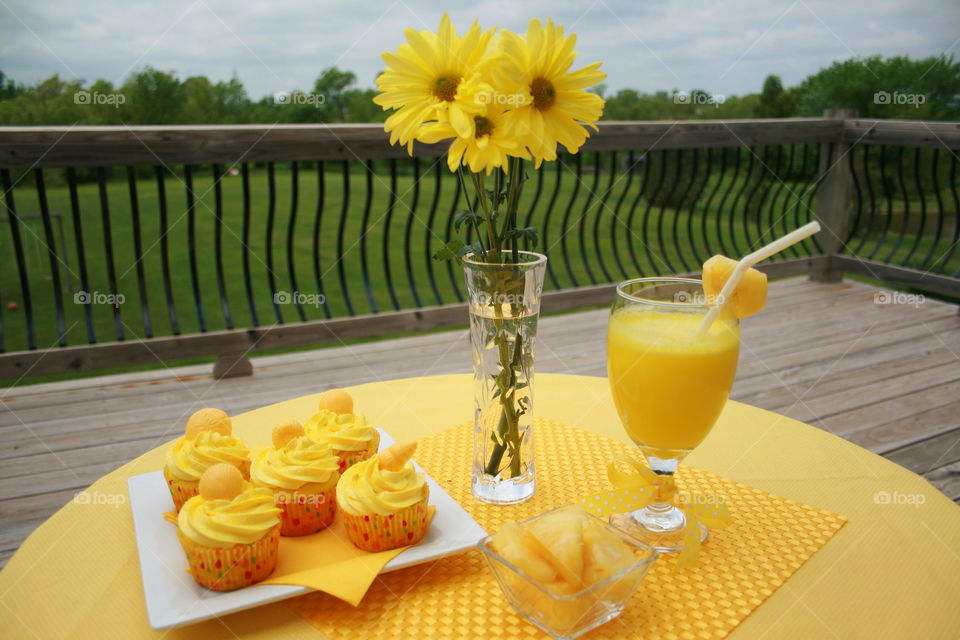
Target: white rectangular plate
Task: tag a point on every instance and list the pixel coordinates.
(175, 599)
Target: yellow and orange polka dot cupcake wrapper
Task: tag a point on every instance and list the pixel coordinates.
(381, 533)
(226, 569)
(457, 596)
(301, 515)
(183, 490)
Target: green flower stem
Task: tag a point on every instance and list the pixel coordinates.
(509, 439)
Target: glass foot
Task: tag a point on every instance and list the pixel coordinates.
(661, 529)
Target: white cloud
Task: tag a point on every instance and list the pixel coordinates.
(724, 47)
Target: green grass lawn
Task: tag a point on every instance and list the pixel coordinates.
(584, 225)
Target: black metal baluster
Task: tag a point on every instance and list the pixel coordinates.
(923, 207)
(138, 252)
(341, 234)
(51, 244)
(600, 210)
(956, 214)
(906, 207)
(935, 168)
(291, 234)
(788, 194)
(858, 203)
(81, 254)
(774, 191)
(247, 276)
(663, 207)
(318, 219)
(731, 249)
(564, 226)
(454, 280)
(14, 219)
(708, 205)
(551, 272)
(616, 216)
(641, 187)
(192, 246)
(744, 214)
(165, 252)
(108, 248)
(367, 203)
(385, 239)
(749, 215)
(872, 207)
(582, 223)
(407, 240)
(528, 220)
(705, 209)
(218, 175)
(271, 274)
(678, 211)
(428, 232)
(888, 220)
(809, 245)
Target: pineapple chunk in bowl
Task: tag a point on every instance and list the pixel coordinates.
(566, 571)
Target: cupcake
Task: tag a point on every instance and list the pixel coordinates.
(352, 438)
(302, 473)
(383, 501)
(207, 440)
(230, 531)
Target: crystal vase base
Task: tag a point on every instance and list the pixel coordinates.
(493, 490)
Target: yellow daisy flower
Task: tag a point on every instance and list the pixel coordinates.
(551, 101)
(435, 77)
(488, 146)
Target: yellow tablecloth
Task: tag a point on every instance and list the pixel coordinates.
(892, 571)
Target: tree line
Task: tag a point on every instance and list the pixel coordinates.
(876, 86)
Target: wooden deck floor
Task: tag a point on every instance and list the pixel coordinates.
(884, 376)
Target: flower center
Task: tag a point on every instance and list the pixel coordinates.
(544, 95)
(445, 87)
(483, 126)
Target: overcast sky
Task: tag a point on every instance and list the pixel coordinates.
(279, 45)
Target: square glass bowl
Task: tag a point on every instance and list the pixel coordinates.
(566, 616)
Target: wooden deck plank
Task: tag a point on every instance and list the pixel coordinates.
(887, 377)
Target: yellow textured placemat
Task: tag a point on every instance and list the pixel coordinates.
(457, 597)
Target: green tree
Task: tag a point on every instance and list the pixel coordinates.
(774, 101)
(154, 97)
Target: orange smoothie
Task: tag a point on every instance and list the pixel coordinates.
(669, 384)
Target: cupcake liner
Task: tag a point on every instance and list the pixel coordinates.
(183, 490)
(381, 533)
(304, 513)
(229, 568)
(350, 458)
(180, 490)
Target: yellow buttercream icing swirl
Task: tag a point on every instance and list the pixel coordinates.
(302, 461)
(344, 431)
(188, 459)
(224, 523)
(366, 489)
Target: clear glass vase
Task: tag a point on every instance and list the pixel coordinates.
(504, 305)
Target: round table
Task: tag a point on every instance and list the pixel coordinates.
(892, 571)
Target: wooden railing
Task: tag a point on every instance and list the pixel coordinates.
(197, 241)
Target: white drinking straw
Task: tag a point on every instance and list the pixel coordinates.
(748, 261)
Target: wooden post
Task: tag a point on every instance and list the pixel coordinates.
(833, 199)
(232, 365)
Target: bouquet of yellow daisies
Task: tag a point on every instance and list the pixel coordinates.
(500, 98)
